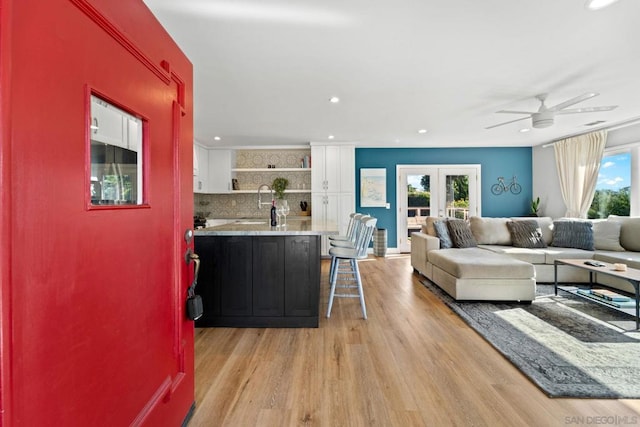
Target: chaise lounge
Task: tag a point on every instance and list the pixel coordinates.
(502, 259)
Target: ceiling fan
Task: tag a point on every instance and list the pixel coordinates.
(545, 115)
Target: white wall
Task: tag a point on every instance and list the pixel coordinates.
(545, 182)
(545, 175)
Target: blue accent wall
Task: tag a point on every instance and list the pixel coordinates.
(495, 162)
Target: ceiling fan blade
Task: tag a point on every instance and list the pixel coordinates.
(587, 109)
(506, 123)
(515, 112)
(572, 101)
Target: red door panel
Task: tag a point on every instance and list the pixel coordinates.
(93, 324)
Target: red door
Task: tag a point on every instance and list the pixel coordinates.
(93, 284)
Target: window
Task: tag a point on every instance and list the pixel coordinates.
(116, 156)
(613, 190)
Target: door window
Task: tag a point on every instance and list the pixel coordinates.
(116, 155)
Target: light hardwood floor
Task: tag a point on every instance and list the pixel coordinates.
(412, 363)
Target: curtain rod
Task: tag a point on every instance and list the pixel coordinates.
(620, 125)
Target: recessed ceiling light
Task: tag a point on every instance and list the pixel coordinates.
(331, 136)
(524, 130)
(334, 100)
(216, 138)
(598, 4)
(422, 131)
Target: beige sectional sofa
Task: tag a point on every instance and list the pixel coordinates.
(498, 271)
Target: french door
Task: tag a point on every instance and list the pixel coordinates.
(434, 190)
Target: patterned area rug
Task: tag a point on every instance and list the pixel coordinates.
(567, 346)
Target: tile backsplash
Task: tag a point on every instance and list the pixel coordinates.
(245, 205)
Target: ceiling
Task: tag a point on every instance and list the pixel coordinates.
(264, 70)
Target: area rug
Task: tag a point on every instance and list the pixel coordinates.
(567, 346)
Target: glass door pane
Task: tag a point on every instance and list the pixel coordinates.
(459, 195)
(417, 199)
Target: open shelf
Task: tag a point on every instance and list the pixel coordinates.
(271, 169)
(256, 191)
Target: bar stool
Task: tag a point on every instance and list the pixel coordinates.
(352, 229)
(348, 240)
(344, 265)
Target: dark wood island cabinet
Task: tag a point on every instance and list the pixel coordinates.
(262, 277)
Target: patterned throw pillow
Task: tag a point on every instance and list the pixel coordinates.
(461, 234)
(573, 234)
(526, 234)
(443, 234)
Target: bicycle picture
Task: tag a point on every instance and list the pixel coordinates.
(502, 187)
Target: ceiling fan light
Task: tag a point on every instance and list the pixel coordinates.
(598, 4)
(542, 120)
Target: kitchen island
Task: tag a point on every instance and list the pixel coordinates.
(255, 275)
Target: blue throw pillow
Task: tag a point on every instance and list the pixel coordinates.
(443, 234)
(573, 234)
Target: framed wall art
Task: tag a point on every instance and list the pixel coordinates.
(373, 187)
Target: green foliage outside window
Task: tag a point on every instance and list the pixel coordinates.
(610, 202)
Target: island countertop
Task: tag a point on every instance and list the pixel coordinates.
(299, 226)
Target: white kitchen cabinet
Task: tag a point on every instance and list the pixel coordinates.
(195, 161)
(332, 209)
(332, 186)
(111, 125)
(201, 178)
(107, 124)
(333, 168)
(134, 134)
(220, 166)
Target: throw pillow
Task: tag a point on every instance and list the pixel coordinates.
(629, 231)
(429, 223)
(442, 233)
(490, 231)
(545, 223)
(526, 234)
(606, 236)
(461, 235)
(573, 234)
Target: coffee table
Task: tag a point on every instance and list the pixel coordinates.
(631, 275)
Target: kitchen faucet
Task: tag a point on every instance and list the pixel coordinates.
(260, 202)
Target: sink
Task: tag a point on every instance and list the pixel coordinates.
(250, 222)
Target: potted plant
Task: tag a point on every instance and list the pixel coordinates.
(279, 185)
(535, 205)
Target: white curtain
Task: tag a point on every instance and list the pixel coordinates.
(578, 162)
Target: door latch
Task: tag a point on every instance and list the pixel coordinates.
(194, 302)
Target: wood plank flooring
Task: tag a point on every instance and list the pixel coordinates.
(412, 363)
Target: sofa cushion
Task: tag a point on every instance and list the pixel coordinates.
(629, 231)
(606, 235)
(554, 253)
(526, 234)
(573, 234)
(461, 234)
(490, 231)
(534, 256)
(632, 259)
(476, 263)
(442, 233)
